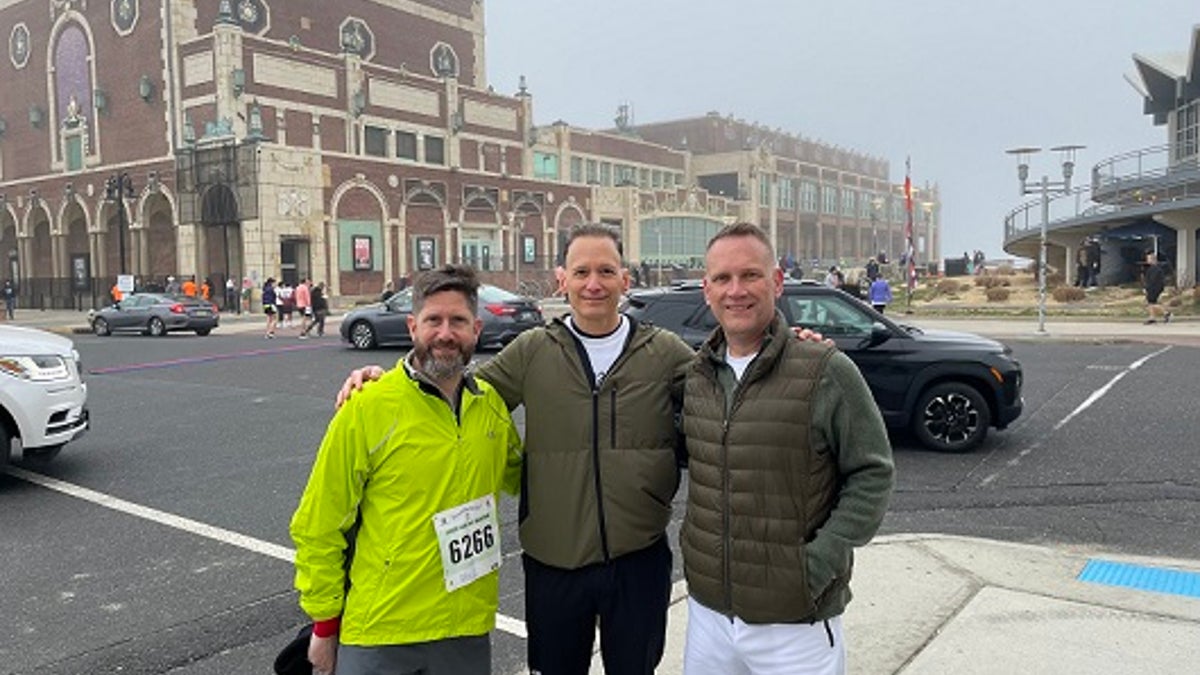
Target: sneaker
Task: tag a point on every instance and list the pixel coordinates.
(303, 336)
(1167, 318)
(1149, 321)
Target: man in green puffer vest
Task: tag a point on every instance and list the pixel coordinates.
(418, 461)
(789, 468)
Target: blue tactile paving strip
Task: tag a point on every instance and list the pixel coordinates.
(1142, 578)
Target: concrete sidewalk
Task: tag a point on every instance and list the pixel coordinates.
(944, 605)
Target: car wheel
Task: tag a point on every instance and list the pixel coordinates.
(203, 331)
(951, 417)
(5, 445)
(156, 327)
(362, 335)
(100, 327)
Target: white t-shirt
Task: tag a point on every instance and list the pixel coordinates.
(602, 350)
(738, 363)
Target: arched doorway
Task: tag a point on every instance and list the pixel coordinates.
(39, 276)
(160, 258)
(117, 242)
(77, 257)
(220, 242)
(569, 216)
(9, 256)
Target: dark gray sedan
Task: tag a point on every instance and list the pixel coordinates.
(156, 314)
(505, 316)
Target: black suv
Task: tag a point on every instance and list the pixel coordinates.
(948, 388)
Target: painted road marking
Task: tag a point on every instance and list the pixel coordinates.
(208, 358)
(507, 624)
(1087, 403)
(1142, 577)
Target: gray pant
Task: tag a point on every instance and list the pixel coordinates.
(452, 656)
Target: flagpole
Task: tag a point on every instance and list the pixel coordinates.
(910, 268)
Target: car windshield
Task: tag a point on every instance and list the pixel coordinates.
(401, 301)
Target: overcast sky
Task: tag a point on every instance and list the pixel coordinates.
(951, 83)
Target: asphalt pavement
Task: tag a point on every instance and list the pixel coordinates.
(939, 604)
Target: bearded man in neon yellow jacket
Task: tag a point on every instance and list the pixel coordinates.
(418, 463)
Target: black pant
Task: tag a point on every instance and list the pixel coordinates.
(630, 595)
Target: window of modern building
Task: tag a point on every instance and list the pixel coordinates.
(808, 197)
(848, 201)
(375, 141)
(656, 179)
(606, 174)
(625, 174)
(545, 165)
(829, 197)
(406, 145)
(1187, 132)
(644, 178)
(678, 179)
(576, 169)
(435, 150)
(681, 240)
(593, 172)
(787, 194)
(764, 191)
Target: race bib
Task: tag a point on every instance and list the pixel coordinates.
(469, 541)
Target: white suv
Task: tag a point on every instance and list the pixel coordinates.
(43, 401)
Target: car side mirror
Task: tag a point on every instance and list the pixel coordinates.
(880, 334)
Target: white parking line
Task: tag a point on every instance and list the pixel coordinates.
(1087, 403)
(1099, 393)
(505, 623)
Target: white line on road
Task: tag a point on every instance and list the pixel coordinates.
(505, 623)
(1087, 403)
(1099, 393)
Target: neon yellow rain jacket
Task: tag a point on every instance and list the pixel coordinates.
(397, 452)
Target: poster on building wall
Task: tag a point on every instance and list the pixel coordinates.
(528, 248)
(363, 260)
(424, 253)
(80, 272)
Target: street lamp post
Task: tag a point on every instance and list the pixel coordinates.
(117, 189)
(1045, 188)
(658, 248)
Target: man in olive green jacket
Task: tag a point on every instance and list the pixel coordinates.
(790, 468)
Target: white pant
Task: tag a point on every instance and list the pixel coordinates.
(718, 646)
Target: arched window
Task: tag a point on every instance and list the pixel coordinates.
(73, 88)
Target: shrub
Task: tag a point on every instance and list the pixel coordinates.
(947, 287)
(1006, 269)
(1069, 294)
(997, 294)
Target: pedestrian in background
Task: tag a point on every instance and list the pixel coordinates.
(284, 294)
(790, 469)
(415, 604)
(1154, 279)
(388, 291)
(10, 299)
(231, 296)
(320, 310)
(832, 280)
(189, 287)
(880, 294)
(269, 300)
(302, 296)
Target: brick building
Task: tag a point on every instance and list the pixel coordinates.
(354, 142)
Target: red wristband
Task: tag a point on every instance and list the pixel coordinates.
(327, 628)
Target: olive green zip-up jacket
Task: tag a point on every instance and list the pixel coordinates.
(789, 469)
(399, 454)
(600, 466)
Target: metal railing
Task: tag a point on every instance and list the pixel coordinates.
(1136, 179)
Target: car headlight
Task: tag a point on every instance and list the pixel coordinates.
(35, 368)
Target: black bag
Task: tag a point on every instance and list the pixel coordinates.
(293, 660)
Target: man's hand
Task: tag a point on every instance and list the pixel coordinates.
(322, 653)
(802, 333)
(355, 382)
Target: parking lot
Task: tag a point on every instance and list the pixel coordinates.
(158, 542)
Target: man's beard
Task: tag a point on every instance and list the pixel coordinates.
(442, 367)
